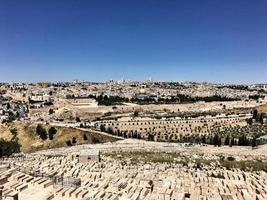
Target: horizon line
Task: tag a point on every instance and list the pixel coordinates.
(130, 81)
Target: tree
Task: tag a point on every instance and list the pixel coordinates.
(211, 140)
(203, 139)
(150, 137)
(136, 113)
(51, 132)
(41, 132)
(7, 148)
(219, 141)
(14, 133)
(215, 140)
(227, 140)
(250, 121)
(69, 143)
(85, 137)
(51, 111)
(110, 131)
(78, 119)
(8, 106)
(261, 118)
(102, 128)
(254, 141)
(74, 140)
(17, 114)
(255, 114)
(242, 140)
(95, 140)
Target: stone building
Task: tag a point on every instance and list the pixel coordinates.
(89, 155)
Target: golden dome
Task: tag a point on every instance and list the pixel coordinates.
(142, 91)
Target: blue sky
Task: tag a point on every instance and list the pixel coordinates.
(182, 40)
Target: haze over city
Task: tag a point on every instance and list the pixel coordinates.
(211, 40)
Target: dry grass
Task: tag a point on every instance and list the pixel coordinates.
(262, 108)
(30, 141)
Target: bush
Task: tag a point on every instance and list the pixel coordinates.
(74, 141)
(14, 133)
(136, 113)
(7, 148)
(69, 144)
(85, 137)
(41, 132)
(78, 119)
(51, 111)
(51, 132)
(95, 140)
(230, 158)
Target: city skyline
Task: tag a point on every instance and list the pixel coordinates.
(211, 41)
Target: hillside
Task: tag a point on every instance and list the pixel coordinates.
(30, 141)
(262, 108)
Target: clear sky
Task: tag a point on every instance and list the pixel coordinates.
(182, 40)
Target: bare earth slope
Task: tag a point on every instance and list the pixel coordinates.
(30, 141)
(262, 108)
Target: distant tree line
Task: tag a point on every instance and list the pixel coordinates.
(255, 97)
(237, 87)
(219, 140)
(125, 134)
(180, 98)
(109, 100)
(216, 139)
